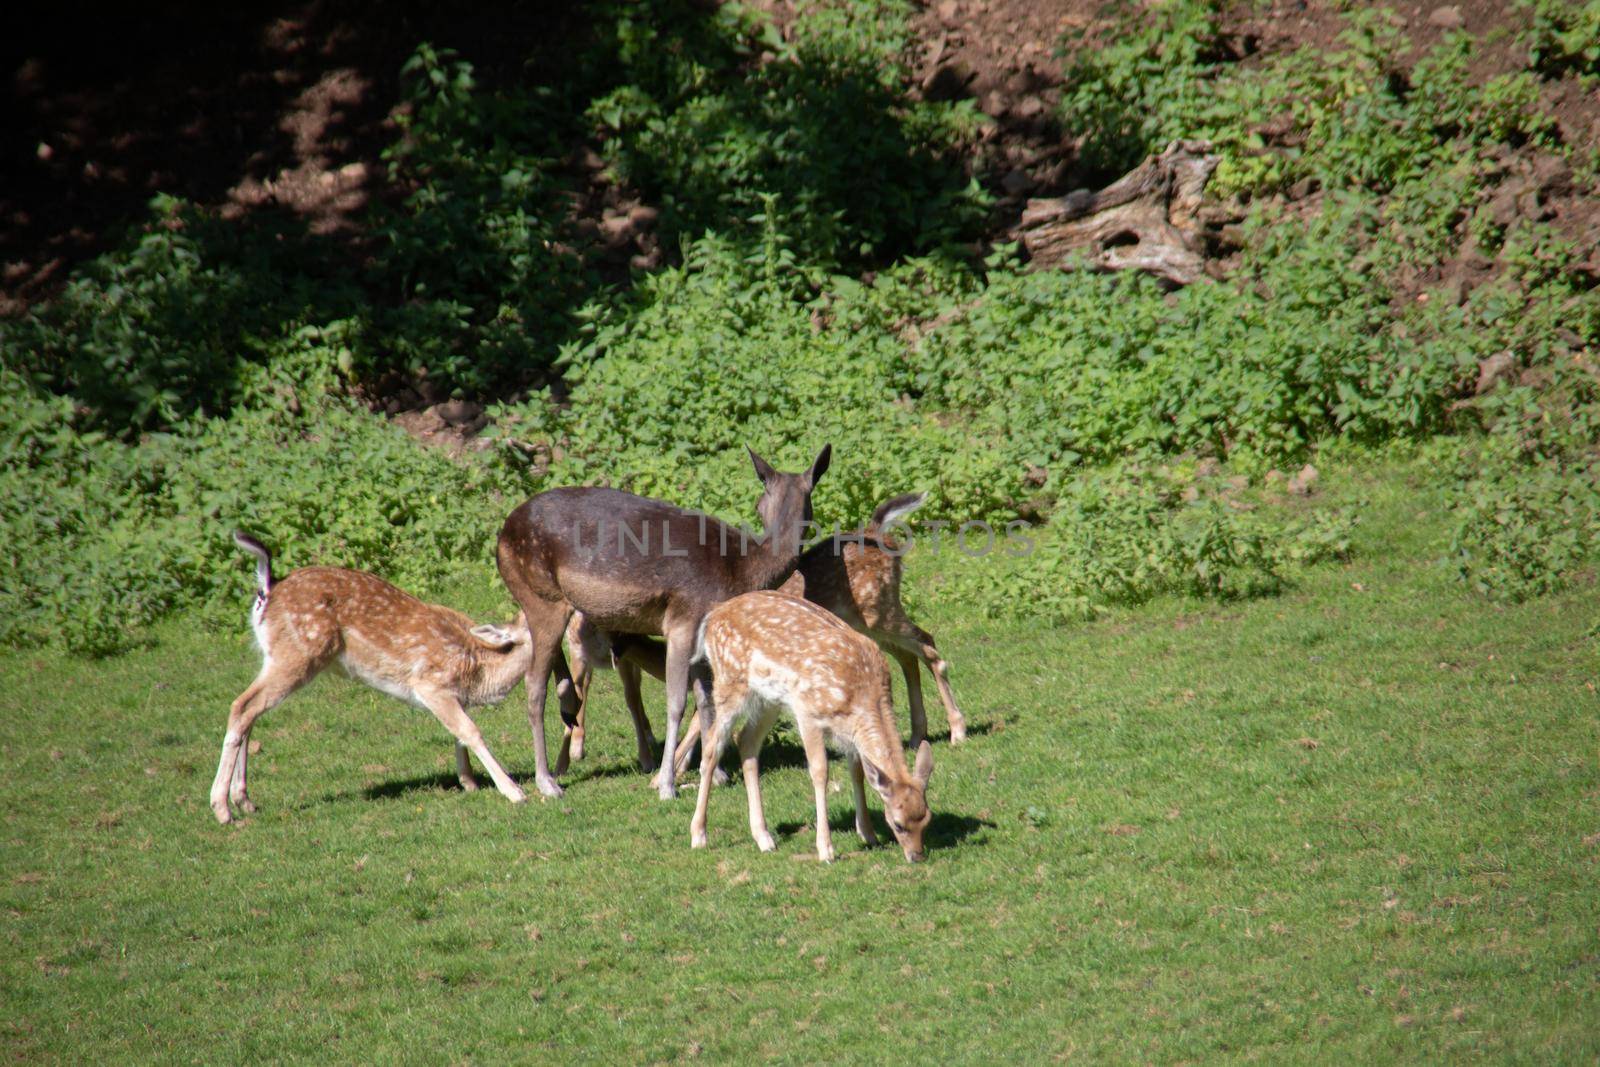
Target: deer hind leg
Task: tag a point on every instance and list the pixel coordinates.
(750, 738)
(270, 689)
(919, 642)
(454, 718)
(546, 622)
(715, 722)
(238, 794)
(633, 696)
(858, 776)
(701, 679)
(817, 764)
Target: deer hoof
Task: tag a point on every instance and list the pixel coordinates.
(667, 790)
(765, 842)
(647, 763)
(719, 777)
(958, 733)
(549, 787)
(825, 853)
(468, 785)
(219, 808)
(245, 804)
(697, 838)
(516, 796)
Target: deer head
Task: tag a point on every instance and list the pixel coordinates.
(905, 801)
(786, 504)
(504, 653)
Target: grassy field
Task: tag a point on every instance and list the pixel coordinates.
(1353, 822)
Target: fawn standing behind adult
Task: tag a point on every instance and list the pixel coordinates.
(769, 651)
(424, 654)
(858, 579)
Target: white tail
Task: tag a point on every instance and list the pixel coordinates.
(422, 653)
(769, 651)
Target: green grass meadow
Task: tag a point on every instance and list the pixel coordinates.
(1351, 823)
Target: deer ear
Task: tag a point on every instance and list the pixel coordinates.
(764, 469)
(923, 769)
(495, 637)
(820, 467)
(879, 780)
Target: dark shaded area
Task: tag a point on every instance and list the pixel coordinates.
(945, 830)
(247, 106)
(399, 787)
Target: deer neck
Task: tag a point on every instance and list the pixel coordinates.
(769, 562)
(879, 744)
(499, 672)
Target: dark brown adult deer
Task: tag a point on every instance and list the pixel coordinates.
(638, 566)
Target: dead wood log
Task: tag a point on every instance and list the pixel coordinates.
(1149, 219)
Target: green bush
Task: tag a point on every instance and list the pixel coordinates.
(1562, 36)
(1123, 535)
(147, 334)
(108, 537)
(730, 126)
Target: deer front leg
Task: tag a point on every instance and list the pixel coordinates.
(634, 698)
(454, 718)
(864, 829)
(679, 647)
(817, 764)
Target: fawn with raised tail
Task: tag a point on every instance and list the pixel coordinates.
(633, 565)
(424, 654)
(769, 651)
(857, 578)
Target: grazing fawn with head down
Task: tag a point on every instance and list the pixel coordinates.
(425, 654)
(633, 565)
(769, 651)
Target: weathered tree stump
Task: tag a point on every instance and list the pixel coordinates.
(1149, 219)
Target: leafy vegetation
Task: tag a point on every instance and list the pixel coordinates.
(201, 376)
